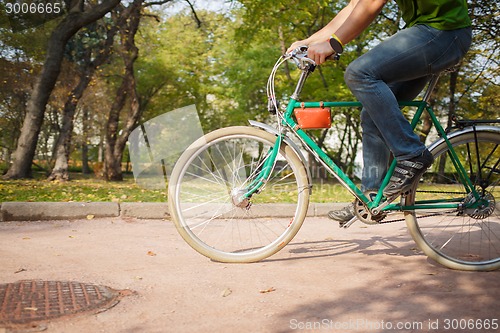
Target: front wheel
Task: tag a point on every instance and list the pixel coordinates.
(207, 184)
(467, 238)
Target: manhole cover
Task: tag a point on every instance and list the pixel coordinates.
(25, 302)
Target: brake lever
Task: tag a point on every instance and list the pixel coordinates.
(299, 57)
(299, 52)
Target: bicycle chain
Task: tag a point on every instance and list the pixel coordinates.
(420, 217)
(423, 216)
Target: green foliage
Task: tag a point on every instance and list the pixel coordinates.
(179, 62)
(223, 64)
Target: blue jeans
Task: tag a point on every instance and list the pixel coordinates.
(398, 69)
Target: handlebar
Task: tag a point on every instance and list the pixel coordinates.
(299, 57)
(307, 65)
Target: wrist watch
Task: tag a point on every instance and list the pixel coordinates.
(336, 44)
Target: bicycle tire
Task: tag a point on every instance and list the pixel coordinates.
(202, 189)
(463, 239)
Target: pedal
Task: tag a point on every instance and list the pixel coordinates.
(348, 223)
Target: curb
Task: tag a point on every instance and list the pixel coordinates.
(39, 211)
(35, 211)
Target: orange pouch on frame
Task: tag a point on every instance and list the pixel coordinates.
(313, 118)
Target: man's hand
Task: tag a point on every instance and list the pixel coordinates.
(320, 52)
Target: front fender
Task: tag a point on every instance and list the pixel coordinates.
(287, 140)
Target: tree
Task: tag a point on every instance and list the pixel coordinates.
(475, 79)
(91, 48)
(127, 97)
(13, 95)
(172, 73)
(115, 142)
(76, 18)
(223, 69)
(282, 22)
(279, 24)
(20, 62)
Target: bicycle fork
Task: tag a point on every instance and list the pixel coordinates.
(241, 197)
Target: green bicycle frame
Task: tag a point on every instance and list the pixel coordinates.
(289, 121)
(336, 171)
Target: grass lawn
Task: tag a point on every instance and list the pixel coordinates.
(87, 188)
(80, 189)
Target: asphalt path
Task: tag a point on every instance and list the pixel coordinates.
(361, 279)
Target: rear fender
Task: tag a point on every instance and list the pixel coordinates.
(464, 131)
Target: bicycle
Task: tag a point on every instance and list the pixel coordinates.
(240, 194)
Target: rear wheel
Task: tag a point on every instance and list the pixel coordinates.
(207, 184)
(467, 238)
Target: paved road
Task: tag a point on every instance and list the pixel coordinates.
(363, 279)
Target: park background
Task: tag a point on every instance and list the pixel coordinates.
(75, 85)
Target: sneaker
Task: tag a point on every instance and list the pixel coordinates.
(342, 215)
(406, 173)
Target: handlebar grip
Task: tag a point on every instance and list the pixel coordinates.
(334, 57)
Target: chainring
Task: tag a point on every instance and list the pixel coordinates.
(364, 215)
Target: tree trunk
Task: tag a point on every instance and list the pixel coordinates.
(453, 89)
(112, 167)
(451, 114)
(85, 147)
(63, 145)
(426, 127)
(283, 51)
(116, 138)
(26, 146)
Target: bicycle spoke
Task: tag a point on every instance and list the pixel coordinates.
(471, 238)
(209, 181)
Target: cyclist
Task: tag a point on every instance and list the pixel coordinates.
(436, 36)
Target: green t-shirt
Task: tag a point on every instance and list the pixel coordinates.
(439, 14)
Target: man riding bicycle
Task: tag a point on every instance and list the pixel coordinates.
(436, 36)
